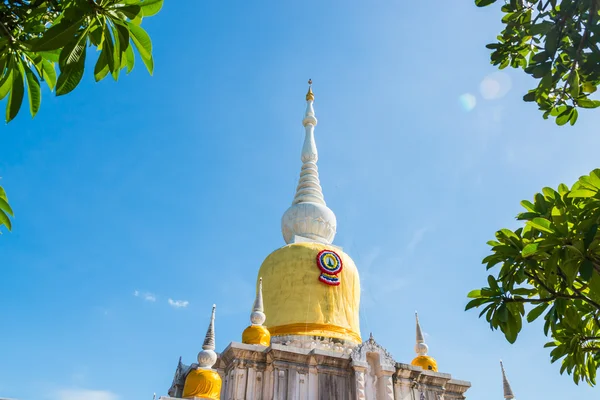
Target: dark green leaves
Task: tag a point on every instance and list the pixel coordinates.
(72, 67)
(551, 266)
(58, 35)
(483, 3)
(143, 45)
(33, 92)
(15, 98)
(150, 7)
(60, 32)
(558, 44)
(5, 210)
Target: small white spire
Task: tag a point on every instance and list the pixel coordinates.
(207, 357)
(258, 316)
(420, 347)
(508, 393)
(309, 217)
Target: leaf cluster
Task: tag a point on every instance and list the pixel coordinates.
(551, 268)
(5, 211)
(36, 35)
(556, 42)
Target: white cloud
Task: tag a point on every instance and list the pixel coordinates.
(85, 394)
(146, 296)
(149, 297)
(178, 303)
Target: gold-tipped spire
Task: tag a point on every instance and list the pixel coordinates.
(310, 96)
(423, 360)
(257, 333)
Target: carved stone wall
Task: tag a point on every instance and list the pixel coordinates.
(280, 372)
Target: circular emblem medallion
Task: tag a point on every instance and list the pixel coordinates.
(330, 264)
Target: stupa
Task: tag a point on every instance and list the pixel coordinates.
(304, 340)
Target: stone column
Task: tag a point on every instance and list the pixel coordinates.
(313, 383)
(280, 389)
(359, 379)
(251, 383)
(239, 383)
(268, 384)
(385, 384)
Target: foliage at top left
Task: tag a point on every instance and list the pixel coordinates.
(35, 35)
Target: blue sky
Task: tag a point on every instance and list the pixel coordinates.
(173, 186)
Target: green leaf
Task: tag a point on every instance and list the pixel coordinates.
(143, 45)
(492, 282)
(475, 303)
(150, 7)
(132, 11)
(130, 57)
(536, 312)
(551, 41)
(34, 92)
(541, 224)
(483, 3)
(101, 68)
(108, 48)
(70, 76)
(530, 249)
(5, 84)
(586, 270)
(564, 116)
(49, 74)
(540, 28)
(574, 83)
(4, 206)
(4, 220)
(589, 87)
(474, 294)
(502, 313)
(582, 193)
(58, 35)
(15, 98)
(573, 117)
(528, 206)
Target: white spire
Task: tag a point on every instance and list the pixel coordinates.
(309, 217)
(508, 393)
(258, 316)
(420, 347)
(207, 357)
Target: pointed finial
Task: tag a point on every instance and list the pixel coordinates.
(258, 316)
(508, 393)
(207, 357)
(209, 339)
(309, 217)
(420, 347)
(310, 96)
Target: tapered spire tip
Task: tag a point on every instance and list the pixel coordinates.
(310, 96)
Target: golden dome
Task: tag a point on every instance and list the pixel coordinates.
(425, 362)
(204, 383)
(300, 298)
(256, 334)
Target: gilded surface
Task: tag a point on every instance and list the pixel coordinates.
(425, 362)
(256, 334)
(297, 303)
(204, 383)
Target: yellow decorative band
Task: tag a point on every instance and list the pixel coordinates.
(326, 330)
